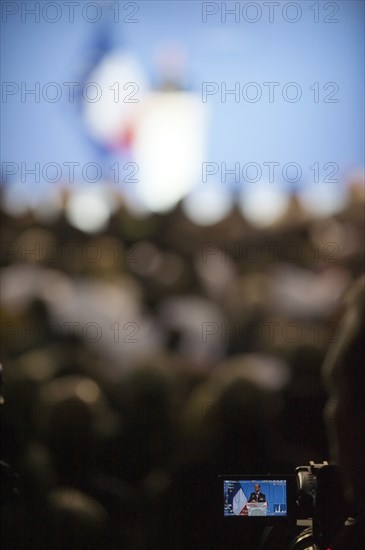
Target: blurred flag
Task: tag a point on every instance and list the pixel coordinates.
(122, 86)
(239, 502)
(99, 48)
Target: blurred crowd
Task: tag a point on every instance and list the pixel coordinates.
(143, 361)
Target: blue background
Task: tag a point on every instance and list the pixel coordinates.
(304, 52)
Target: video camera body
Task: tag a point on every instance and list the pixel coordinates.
(302, 511)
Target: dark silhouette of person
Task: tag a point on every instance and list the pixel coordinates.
(345, 412)
(256, 495)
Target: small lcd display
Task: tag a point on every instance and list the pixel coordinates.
(255, 497)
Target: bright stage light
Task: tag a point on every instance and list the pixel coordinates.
(169, 148)
(88, 210)
(324, 199)
(208, 205)
(16, 200)
(263, 204)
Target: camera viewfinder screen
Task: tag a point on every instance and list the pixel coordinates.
(255, 497)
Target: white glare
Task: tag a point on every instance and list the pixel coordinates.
(169, 148)
(88, 210)
(16, 200)
(324, 199)
(207, 206)
(264, 204)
